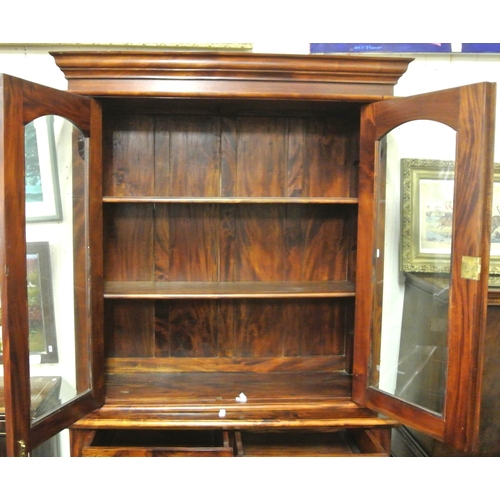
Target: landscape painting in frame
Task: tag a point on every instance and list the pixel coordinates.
(427, 217)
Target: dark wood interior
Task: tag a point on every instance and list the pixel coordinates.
(257, 212)
(230, 246)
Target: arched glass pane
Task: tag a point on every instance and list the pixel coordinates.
(54, 169)
(412, 263)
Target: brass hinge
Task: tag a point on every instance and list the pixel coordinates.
(471, 268)
(22, 448)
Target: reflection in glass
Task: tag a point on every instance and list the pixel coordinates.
(54, 176)
(412, 263)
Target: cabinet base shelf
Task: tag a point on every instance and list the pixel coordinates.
(229, 443)
(194, 400)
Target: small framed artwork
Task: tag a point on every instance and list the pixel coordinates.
(43, 197)
(42, 329)
(427, 217)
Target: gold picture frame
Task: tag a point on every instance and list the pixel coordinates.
(426, 217)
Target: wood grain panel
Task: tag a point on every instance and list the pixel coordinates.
(162, 171)
(186, 246)
(128, 242)
(194, 158)
(228, 150)
(261, 154)
(158, 365)
(330, 150)
(271, 389)
(200, 156)
(258, 327)
(293, 245)
(128, 327)
(129, 156)
(291, 329)
(318, 243)
(259, 243)
(326, 243)
(287, 328)
(322, 327)
(229, 255)
(321, 154)
(186, 328)
(247, 328)
(162, 243)
(247, 242)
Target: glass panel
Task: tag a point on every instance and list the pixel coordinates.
(54, 171)
(414, 231)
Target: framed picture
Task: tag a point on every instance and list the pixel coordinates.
(42, 330)
(427, 215)
(43, 198)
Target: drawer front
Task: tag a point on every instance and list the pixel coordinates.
(123, 451)
(342, 443)
(133, 443)
(242, 443)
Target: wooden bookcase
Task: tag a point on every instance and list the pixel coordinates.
(232, 229)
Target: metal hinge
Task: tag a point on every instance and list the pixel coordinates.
(22, 448)
(471, 268)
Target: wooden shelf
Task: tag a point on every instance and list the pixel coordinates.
(232, 200)
(193, 400)
(226, 290)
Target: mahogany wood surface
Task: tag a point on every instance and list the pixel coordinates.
(231, 250)
(281, 226)
(230, 156)
(226, 289)
(228, 75)
(468, 110)
(239, 328)
(487, 420)
(231, 233)
(22, 102)
(231, 202)
(183, 401)
(308, 444)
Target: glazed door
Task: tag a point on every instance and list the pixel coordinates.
(50, 223)
(426, 180)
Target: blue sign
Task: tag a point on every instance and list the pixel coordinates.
(325, 48)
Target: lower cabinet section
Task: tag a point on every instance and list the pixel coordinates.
(343, 443)
(229, 443)
(169, 443)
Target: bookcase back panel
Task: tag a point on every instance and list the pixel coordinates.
(258, 162)
(243, 328)
(235, 242)
(224, 156)
(128, 237)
